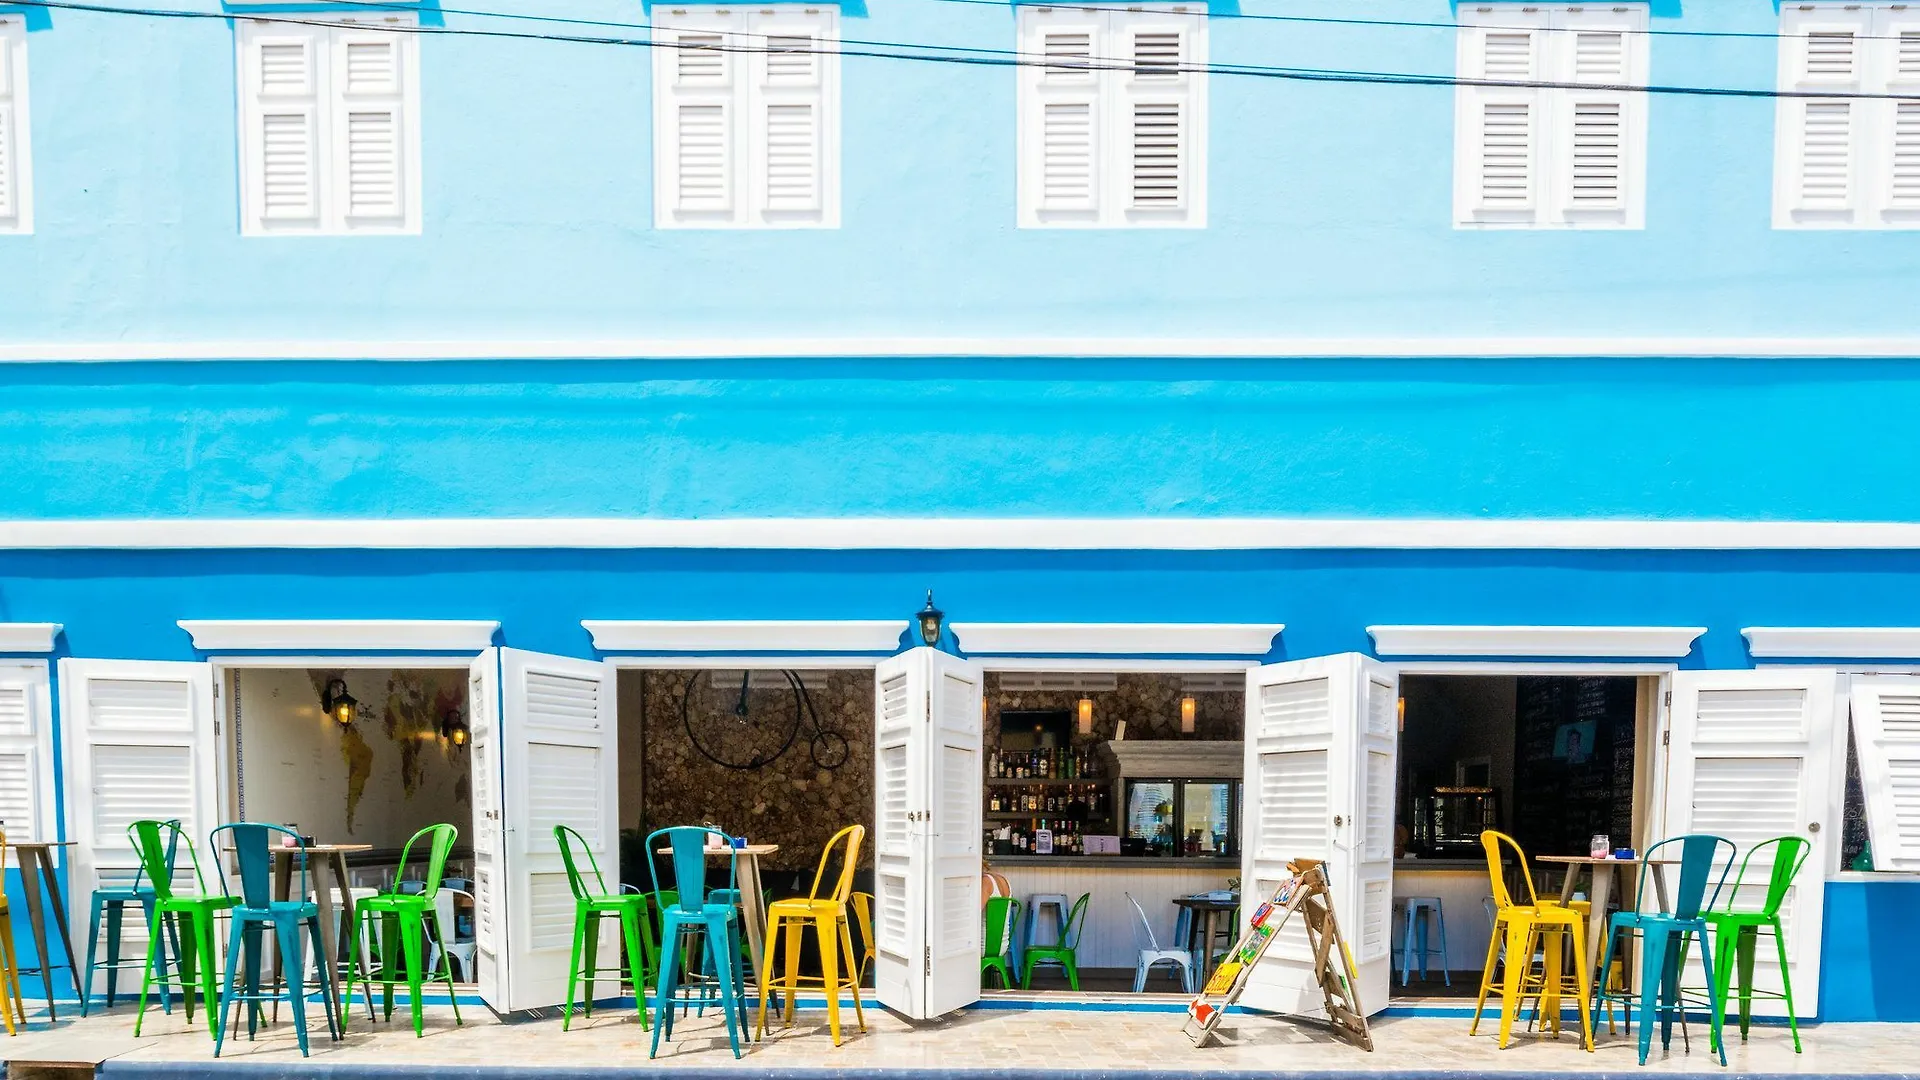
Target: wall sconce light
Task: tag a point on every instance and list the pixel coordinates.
(337, 703)
(453, 728)
(1186, 716)
(930, 617)
(1086, 716)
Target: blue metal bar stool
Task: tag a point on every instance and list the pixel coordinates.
(258, 912)
(693, 910)
(1414, 940)
(111, 901)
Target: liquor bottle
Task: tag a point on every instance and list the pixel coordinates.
(994, 805)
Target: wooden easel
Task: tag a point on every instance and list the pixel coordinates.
(1306, 892)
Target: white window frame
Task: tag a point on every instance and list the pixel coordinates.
(1556, 30)
(1877, 28)
(1111, 88)
(746, 95)
(329, 176)
(13, 97)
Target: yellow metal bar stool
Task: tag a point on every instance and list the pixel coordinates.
(839, 966)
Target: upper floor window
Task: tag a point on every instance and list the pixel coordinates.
(746, 117)
(1840, 162)
(329, 128)
(16, 175)
(1113, 124)
(1532, 157)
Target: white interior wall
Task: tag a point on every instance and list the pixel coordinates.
(378, 783)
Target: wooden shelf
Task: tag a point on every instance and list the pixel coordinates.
(1044, 781)
(1031, 815)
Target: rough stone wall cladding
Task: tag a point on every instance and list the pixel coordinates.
(1149, 703)
(790, 802)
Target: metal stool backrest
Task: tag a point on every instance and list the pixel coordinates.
(251, 843)
(1076, 919)
(1787, 855)
(1698, 853)
(1496, 844)
(854, 835)
(566, 836)
(1143, 935)
(440, 839)
(157, 844)
(688, 844)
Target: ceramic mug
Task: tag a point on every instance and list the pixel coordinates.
(1625, 853)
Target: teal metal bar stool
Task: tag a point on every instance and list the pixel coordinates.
(256, 913)
(693, 910)
(1415, 943)
(110, 902)
(1664, 937)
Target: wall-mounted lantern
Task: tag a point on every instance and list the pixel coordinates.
(337, 703)
(930, 617)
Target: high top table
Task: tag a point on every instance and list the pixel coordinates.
(1600, 892)
(36, 861)
(327, 878)
(752, 909)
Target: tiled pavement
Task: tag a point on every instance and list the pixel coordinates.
(1006, 1041)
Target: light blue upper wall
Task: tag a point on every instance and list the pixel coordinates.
(1330, 205)
(1810, 440)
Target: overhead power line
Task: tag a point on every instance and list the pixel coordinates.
(944, 54)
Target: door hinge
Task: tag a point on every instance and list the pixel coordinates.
(1666, 738)
(929, 960)
(1669, 699)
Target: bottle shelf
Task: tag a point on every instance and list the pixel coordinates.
(1042, 781)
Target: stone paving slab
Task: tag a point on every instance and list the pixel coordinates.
(983, 1044)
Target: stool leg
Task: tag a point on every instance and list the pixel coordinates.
(636, 960)
(592, 944)
(1440, 916)
(770, 944)
(796, 936)
(1486, 976)
(1406, 944)
(829, 971)
(853, 972)
(580, 921)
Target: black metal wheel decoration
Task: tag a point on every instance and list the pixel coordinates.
(749, 723)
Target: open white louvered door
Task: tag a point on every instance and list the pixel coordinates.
(1886, 734)
(26, 751)
(1748, 758)
(140, 743)
(489, 846)
(927, 786)
(558, 765)
(1321, 736)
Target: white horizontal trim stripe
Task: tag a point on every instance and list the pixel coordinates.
(960, 534)
(1070, 347)
(1106, 639)
(1638, 642)
(1848, 642)
(431, 635)
(763, 635)
(20, 637)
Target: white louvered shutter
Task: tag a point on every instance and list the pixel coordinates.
(1748, 758)
(1596, 130)
(696, 141)
(1886, 733)
(1320, 749)
(282, 69)
(14, 176)
(1159, 115)
(1900, 50)
(369, 129)
(1821, 51)
(789, 102)
(140, 743)
(1501, 129)
(899, 874)
(26, 752)
(489, 829)
(558, 756)
(1062, 166)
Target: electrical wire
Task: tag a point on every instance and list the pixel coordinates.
(921, 53)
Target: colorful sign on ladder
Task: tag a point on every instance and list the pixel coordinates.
(1305, 893)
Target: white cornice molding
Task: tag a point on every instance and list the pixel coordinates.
(746, 635)
(28, 637)
(1639, 642)
(960, 534)
(1835, 642)
(1109, 639)
(424, 635)
(794, 347)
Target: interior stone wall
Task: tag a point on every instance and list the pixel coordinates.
(791, 802)
(1149, 703)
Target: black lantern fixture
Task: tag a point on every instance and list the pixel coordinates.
(930, 617)
(337, 703)
(453, 728)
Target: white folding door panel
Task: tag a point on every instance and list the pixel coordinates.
(26, 751)
(489, 814)
(1886, 736)
(559, 766)
(140, 743)
(1320, 743)
(927, 786)
(1749, 759)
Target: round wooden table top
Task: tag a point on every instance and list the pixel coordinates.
(750, 849)
(322, 849)
(41, 843)
(1205, 903)
(1588, 860)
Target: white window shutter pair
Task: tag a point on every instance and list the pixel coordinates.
(1849, 162)
(325, 139)
(15, 175)
(746, 121)
(1112, 117)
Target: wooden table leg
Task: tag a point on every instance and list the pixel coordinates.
(36, 868)
(1601, 895)
(752, 911)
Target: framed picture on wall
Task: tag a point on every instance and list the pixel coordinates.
(1573, 743)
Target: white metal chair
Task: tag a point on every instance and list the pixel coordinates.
(1152, 954)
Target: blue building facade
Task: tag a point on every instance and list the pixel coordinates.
(1285, 369)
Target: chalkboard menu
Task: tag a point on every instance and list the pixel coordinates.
(1573, 752)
